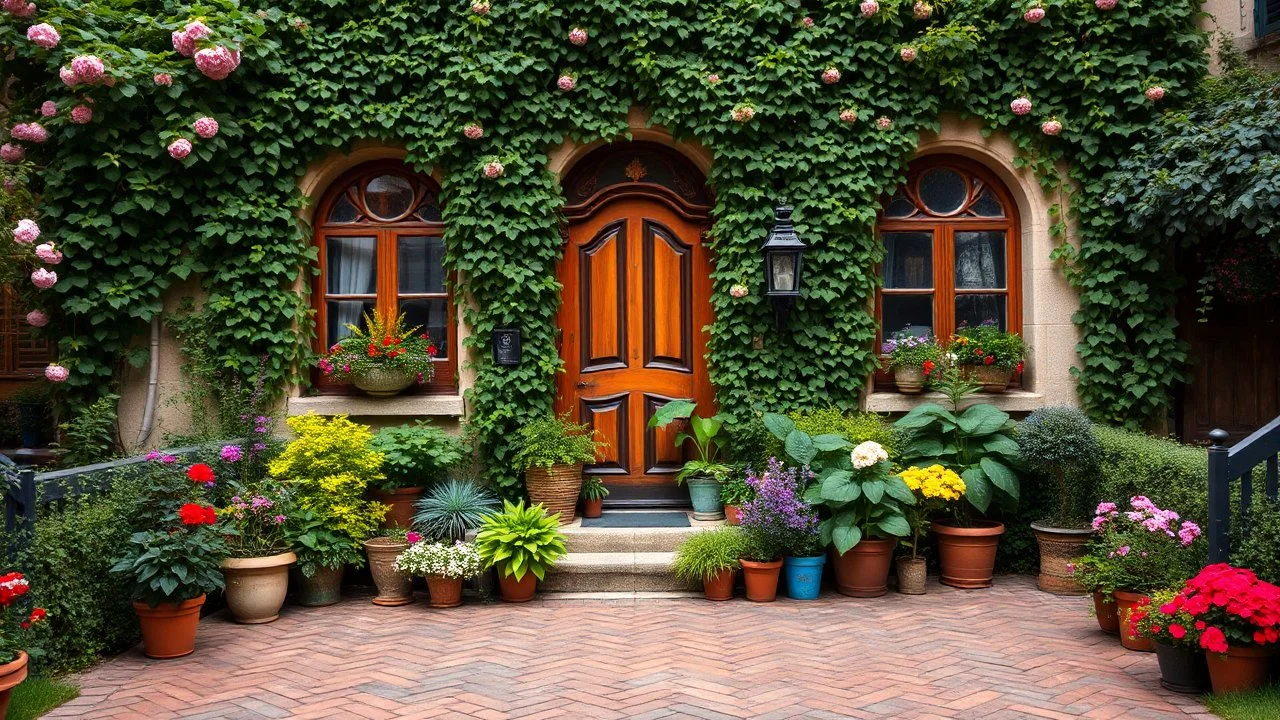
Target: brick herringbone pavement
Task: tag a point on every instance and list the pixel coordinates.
(1007, 652)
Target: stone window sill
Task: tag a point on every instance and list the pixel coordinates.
(413, 405)
(1009, 401)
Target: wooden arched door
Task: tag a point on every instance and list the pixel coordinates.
(636, 282)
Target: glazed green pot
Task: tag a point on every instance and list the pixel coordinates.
(322, 588)
(705, 494)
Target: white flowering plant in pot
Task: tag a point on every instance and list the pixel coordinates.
(459, 561)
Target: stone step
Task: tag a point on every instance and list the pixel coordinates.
(595, 572)
(629, 540)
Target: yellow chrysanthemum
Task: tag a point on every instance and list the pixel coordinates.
(934, 483)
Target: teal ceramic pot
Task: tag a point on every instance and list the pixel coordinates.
(705, 494)
(804, 576)
(323, 588)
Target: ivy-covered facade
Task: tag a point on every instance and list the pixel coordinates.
(826, 104)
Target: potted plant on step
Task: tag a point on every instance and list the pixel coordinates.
(703, 474)
(523, 543)
(593, 494)
(322, 556)
(1240, 615)
(775, 523)
(988, 355)
(1058, 442)
(414, 457)
(935, 488)
(444, 566)
(395, 587)
(19, 634)
(383, 359)
(734, 493)
(552, 452)
(912, 359)
(710, 558)
(257, 566)
(453, 508)
(1177, 639)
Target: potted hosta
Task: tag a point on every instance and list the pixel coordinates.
(593, 494)
(395, 587)
(988, 355)
(1238, 617)
(1058, 442)
(734, 493)
(710, 558)
(173, 568)
(444, 566)
(382, 358)
(18, 627)
(523, 543)
(257, 566)
(704, 475)
(913, 359)
(777, 522)
(1177, 639)
(322, 556)
(935, 488)
(552, 451)
(414, 457)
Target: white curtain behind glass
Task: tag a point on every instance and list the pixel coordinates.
(351, 272)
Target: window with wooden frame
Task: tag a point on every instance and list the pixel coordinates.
(22, 355)
(381, 246)
(953, 252)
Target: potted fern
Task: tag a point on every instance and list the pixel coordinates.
(552, 453)
(593, 494)
(523, 543)
(704, 474)
(711, 558)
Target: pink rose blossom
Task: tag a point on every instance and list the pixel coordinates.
(473, 131)
(36, 318)
(1105, 4)
(44, 279)
(48, 108)
(578, 36)
(1155, 93)
(493, 170)
(849, 116)
(480, 7)
(808, 21)
(217, 62)
(30, 132)
(19, 8)
(1020, 106)
(566, 83)
(908, 54)
(1051, 127)
(1034, 15)
(739, 291)
(82, 115)
(884, 123)
(831, 76)
(69, 76)
(184, 40)
(48, 253)
(869, 8)
(922, 11)
(44, 35)
(163, 79)
(206, 127)
(713, 79)
(180, 148)
(88, 68)
(56, 373)
(26, 232)
(11, 153)
(742, 113)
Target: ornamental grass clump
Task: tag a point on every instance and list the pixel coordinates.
(706, 554)
(449, 510)
(1140, 550)
(1059, 442)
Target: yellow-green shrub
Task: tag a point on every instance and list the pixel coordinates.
(329, 465)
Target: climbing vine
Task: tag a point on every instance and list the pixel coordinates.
(820, 102)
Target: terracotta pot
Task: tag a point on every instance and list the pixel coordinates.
(256, 586)
(1059, 547)
(912, 575)
(761, 579)
(445, 592)
(382, 382)
(555, 488)
(169, 629)
(863, 571)
(401, 501)
(719, 586)
(967, 555)
(1182, 668)
(1108, 615)
(321, 589)
(910, 380)
(394, 587)
(1240, 668)
(11, 673)
(1125, 603)
(732, 515)
(592, 508)
(992, 379)
(517, 591)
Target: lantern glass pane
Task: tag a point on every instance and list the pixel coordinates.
(783, 269)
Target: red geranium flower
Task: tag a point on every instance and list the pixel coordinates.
(928, 366)
(989, 360)
(386, 341)
(210, 515)
(192, 514)
(431, 349)
(37, 614)
(200, 473)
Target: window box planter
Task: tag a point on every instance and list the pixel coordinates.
(910, 380)
(382, 382)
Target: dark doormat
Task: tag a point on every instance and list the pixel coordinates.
(637, 520)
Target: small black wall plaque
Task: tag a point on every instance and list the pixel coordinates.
(506, 347)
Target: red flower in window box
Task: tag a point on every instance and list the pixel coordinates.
(381, 345)
(200, 473)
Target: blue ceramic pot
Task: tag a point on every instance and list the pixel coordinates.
(704, 492)
(804, 576)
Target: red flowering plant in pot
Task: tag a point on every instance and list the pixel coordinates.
(1176, 635)
(989, 355)
(382, 356)
(21, 627)
(913, 359)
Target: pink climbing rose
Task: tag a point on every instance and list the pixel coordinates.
(494, 170)
(88, 68)
(848, 116)
(48, 108)
(56, 373)
(739, 291)
(48, 253)
(1051, 127)
(742, 113)
(184, 40)
(44, 279)
(26, 232)
(19, 8)
(908, 54)
(82, 115)
(1155, 93)
(1105, 4)
(869, 8)
(44, 35)
(566, 83)
(1020, 106)
(163, 79)
(36, 318)
(217, 62)
(30, 132)
(180, 148)
(884, 122)
(1034, 15)
(831, 76)
(473, 131)
(578, 36)
(922, 11)
(206, 127)
(480, 7)
(11, 153)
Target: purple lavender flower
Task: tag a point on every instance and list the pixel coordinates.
(778, 514)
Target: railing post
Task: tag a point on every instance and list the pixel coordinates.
(1219, 498)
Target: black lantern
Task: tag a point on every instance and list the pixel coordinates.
(783, 256)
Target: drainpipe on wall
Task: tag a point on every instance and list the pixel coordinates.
(153, 381)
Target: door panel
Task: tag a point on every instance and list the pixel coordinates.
(611, 418)
(603, 320)
(668, 295)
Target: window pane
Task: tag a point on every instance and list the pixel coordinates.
(980, 259)
(428, 211)
(388, 196)
(911, 314)
(987, 205)
(908, 259)
(432, 316)
(899, 206)
(421, 264)
(943, 190)
(974, 310)
(343, 211)
(352, 265)
(346, 312)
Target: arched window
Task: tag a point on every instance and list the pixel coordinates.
(952, 251)
(381, 246)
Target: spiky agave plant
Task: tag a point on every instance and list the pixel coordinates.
(452, 508)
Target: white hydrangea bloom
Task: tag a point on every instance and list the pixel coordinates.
(868, 454)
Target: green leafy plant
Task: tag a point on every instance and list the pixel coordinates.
(987, 344)
(703, 438)
(1256, 541)
(735, 490)
(318, 547)
(1059, 442)
(90, 436)
(708, 553)
(521, 540)
(453, 508)
(549, 441)
(178, 563)
(593, 488)
(856, 427)
(416, 455)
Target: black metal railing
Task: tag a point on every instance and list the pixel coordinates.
(1228, 464)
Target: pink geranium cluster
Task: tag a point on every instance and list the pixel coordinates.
(1147, 515)
(1231, 606)
(26, 232)
(48, 253)
(217, 62)
(184, 40)
(44, 35)
(206, 127)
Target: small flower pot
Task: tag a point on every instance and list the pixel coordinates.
(1059, 547)
(321, 589)
(394, 587)
(1108, 615)
(401, 502)
(445, 592)
(719, 587)
(992, 379)
(1182, 668)
(912, 575)
(910, 380)
(863, 571)
(1125, 603)
(1239, 668)
(517, 591)
(732, 515)
(556, 489)
(761, 579)
(592, 508)
(169, 629)
(704, 493)
(967, 555)
(804, 576)
(11, 674)
(256, 586)
(382, 382)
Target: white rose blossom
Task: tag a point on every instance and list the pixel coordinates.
(868, 454)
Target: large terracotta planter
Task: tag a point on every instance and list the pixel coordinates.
(992, 379)
(863, 571)
(910, 380)
(1059, 547)
(592, 508)
(11, 673)
(394, 587)
(732, 515)
(517, 591)
(555, 488)
(382, 382)
(720, 586)
(445, 592)
(256, 586)
(1125, 603)
(1240, 668)
(1182, 668)
(1108, 615)
(761, 579)
(912, 575)
(169, 629)
(401, 501)
(321, 589)
(967, 555)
